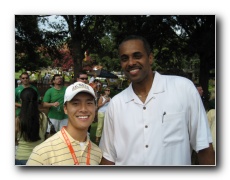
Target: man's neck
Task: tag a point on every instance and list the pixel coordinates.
(58, 87)
(144, 86)
(26, 85)
(78, 135)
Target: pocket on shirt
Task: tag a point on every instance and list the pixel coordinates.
(172, 128)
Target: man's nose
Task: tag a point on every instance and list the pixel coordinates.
(131, 61)
(83, 107)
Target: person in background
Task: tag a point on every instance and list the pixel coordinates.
(19, 82)
(203, 98)
(211, 114)
(199, 89)
(82, 77)
(103, 103)
(30, 126)
(91, 80)
(71, 145)
(212, 124)
(25, 83)
(53, 99)
(157, 120)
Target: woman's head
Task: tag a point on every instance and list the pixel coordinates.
(29, 95)
(29, 115)
(107, 91)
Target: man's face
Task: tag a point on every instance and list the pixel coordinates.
(200, 90)
(135, 61)
(25, 79)
(57, 80)
(81, 111)
(83, 78)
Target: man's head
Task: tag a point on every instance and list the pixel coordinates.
(199, 89)
(25, 79)
(78, 87)
(80, 105)
(57, 79)
(136, 58)
(82, 77)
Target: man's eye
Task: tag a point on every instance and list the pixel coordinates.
(75, 103)
(124, 59)
(137, 56)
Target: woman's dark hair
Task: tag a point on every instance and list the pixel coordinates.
(29, 115)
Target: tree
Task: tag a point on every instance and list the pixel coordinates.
(85, 33)
(27, 40)
(175, 40)
(200, 39)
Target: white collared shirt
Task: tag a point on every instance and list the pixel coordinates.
(161, 131)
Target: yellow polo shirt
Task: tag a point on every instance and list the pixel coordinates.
(54, 151)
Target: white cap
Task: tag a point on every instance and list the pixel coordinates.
(76, 88)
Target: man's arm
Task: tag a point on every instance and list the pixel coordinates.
(207, 156)
(106, 162)
(48, 105)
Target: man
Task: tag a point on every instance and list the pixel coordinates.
(71, 145)
(53, 99)
(203, 98)
(82, 77)
(199, 89)
(25, 83)
(157, 119)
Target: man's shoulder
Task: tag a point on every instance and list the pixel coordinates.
(121, 95)
(48, 145)
(174, 79)
(34, 87)
(19, 88)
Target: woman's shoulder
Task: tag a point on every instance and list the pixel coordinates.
(43, 116)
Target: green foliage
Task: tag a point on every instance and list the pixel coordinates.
(178, 42)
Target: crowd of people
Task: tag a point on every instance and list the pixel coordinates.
(158, 120)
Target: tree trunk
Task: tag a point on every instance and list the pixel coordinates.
(77, 56)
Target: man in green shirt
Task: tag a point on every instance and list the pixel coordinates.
(25, 83)
(54, 99)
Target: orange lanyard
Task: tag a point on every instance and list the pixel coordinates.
(71, 148)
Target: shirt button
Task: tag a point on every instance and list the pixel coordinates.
(146, 126)
(146, 146)
(144, 108)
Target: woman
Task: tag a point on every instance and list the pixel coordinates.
(102, 106)
(30, 126)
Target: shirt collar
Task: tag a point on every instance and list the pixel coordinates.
(72, 140)
(158, 86)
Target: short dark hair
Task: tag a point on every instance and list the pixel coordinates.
(55, 75)
(81, 72)
(25, 73)
(135, 37)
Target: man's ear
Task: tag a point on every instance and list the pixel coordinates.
(151, 58)
(65, 108)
